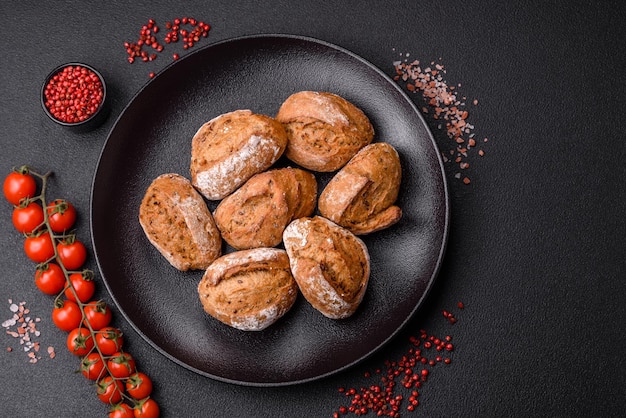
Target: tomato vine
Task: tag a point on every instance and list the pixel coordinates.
(50, 242)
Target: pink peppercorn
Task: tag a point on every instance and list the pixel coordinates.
(73, 94)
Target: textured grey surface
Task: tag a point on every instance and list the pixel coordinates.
(536, 240)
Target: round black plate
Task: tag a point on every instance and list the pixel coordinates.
(153, 136)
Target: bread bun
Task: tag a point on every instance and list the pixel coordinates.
(361, 196)
(178, 223)
(256, 214)
(324, 130)
(329, 263)
(231, 148)
(248, 290)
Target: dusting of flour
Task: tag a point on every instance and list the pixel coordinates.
(213, 181)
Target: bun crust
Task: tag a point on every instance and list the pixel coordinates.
(329, 263)
(249, 290)
(361, 196)
(256, 214)
(324, 130)
(231, 148)
(178, 223)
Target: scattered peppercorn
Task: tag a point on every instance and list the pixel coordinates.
(189, 30)
(411, 373)
(449, 316)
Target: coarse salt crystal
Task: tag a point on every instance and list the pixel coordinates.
(25, 328)
(9, 323)
(440, 95)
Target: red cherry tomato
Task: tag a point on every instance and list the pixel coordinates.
(139, 385)
(61, 215)
(72, 254)
(109, 390)
(19, 185)
(67, 315)
(121, 410)
(79, 341)
(50, 279)
(109, 340)
(147, 409)
(92, 366)
(98, 314)
(39, 248)
(26, 219)
(121, 365)
(83, 285)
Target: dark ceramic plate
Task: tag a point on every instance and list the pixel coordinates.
(153, 136)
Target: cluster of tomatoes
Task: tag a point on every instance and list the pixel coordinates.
(50, 243)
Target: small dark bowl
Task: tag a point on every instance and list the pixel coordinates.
(95, 119)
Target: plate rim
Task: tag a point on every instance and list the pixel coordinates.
(445, 218)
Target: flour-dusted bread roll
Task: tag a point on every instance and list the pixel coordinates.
(361, 196)
(324, 130)
(249, 290)
(178, 223)
(329, 263)
(256, 214)
(231, 148)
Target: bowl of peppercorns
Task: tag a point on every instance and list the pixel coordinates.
(74, 96)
